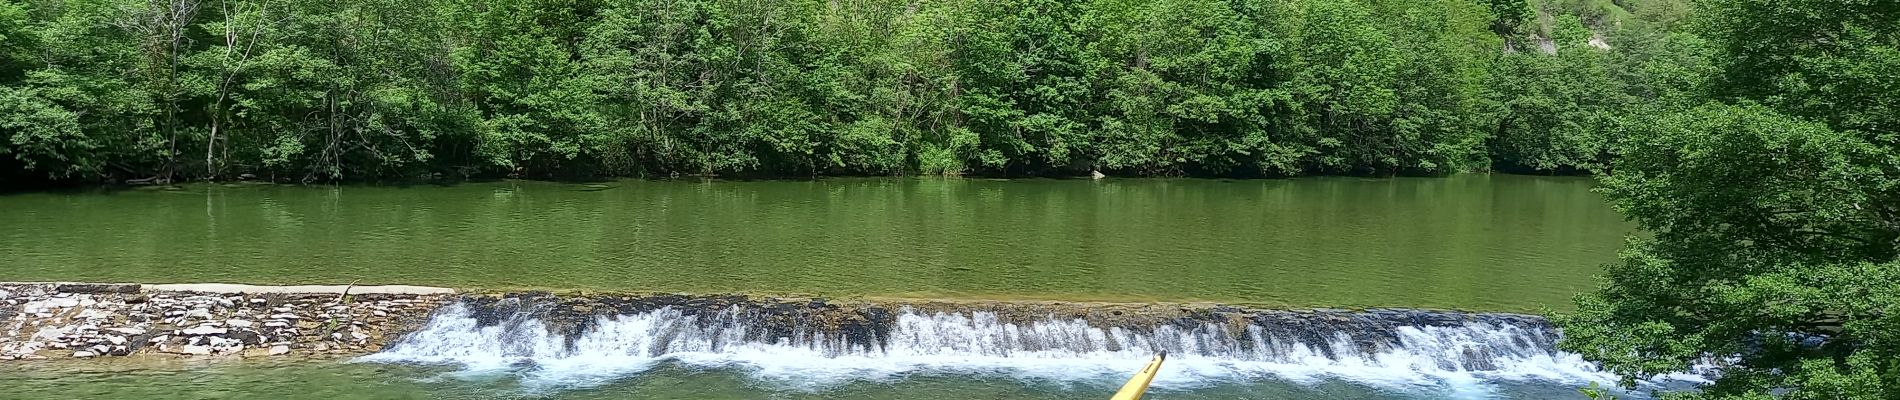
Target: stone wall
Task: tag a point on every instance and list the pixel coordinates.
(47, 320)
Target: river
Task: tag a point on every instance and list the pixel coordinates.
(1477, 242)
(1492, 243)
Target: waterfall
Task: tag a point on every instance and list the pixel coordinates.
(560, 342)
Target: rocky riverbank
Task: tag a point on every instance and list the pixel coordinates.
(49, 320)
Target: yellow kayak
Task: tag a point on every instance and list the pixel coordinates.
(1138, 385)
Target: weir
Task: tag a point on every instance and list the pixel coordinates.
(553, 339)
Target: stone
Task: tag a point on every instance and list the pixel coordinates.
(205, 330)
(127, 331)
(285, 316)
(196, 350)
(84, 354)
(92, 313)
(246, 337)
(117, 340)
(238, 323)
(279, 350)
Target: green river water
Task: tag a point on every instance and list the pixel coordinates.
(1475, 242)
(1479, 242)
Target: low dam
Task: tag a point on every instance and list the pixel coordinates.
(550, 342)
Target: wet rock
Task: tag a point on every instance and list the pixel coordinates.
(246, 337)
(279, 350)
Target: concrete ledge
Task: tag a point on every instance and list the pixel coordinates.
(232, 288)
(297, 289)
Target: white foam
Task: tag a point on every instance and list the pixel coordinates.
(1424, 358)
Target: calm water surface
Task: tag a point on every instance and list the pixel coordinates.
(1486, 242)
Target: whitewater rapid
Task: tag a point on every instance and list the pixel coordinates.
(1400, 352)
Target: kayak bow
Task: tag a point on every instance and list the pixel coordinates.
(1138, 385)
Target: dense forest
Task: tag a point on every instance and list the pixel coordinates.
(293, 90)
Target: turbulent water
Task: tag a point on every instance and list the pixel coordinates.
(1394, 351)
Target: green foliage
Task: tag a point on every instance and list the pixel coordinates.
(1558, 112)
(1774, 246)
(1774, 206)
(370, 89)
(1830, 61)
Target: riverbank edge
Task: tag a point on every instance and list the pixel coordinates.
(78, 320)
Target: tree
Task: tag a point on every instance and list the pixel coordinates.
(1775, 210)
(1558, 112)
(1774, 250)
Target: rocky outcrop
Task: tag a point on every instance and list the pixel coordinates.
(39, 321)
